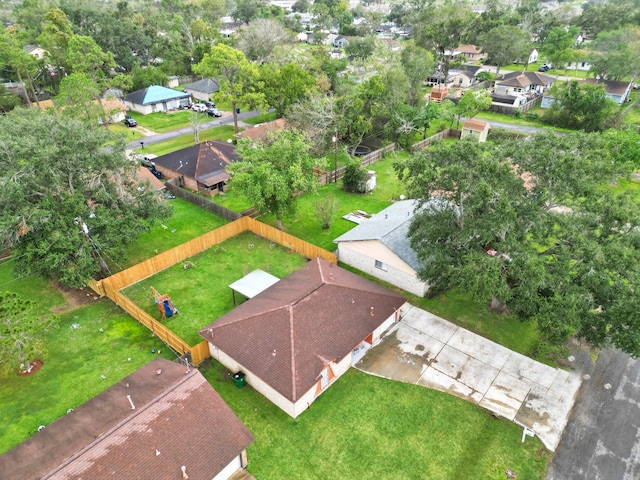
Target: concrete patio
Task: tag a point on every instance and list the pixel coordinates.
(427, 350)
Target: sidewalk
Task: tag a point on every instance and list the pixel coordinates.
(427, 350)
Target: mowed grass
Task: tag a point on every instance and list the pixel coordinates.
(187, 222)
(91, 341)
(129, 134)
(163, 122)
(201, 292)
(368, 427)
(221, 133)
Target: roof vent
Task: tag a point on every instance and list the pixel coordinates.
(184, 472)
(133, 407)
(371, 312)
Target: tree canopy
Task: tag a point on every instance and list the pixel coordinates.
(68, 202)
(529, 226)
(272, 174)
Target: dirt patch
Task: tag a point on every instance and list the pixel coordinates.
(74, 298)
(35, 366)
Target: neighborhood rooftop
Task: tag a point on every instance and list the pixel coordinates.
(178, 420)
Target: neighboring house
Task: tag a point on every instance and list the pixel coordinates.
(144, 175)
(527, 84)
(471, 53)
(437, 78)
(113, 109)
(614, 90)
(229, 28)
(509, 100)
(259, 132)
(203, 166)
(340, 41)
(202, 89)
(156, 99)
(151, 424)
(582, 65)
(380, 247)
(464, 76)
(35, 51)
(294, 339)
(475, 129)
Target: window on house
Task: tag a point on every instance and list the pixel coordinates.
(382, 266)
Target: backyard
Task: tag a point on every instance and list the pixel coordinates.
(199, 287)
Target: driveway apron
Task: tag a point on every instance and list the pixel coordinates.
(427, 350)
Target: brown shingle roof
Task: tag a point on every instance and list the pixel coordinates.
(469, 49)
(177, 414)
(259, 133)
(203, 161)
(287, 334)
(612, 87)
(475, 125)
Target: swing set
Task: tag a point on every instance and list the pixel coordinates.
(165, 305)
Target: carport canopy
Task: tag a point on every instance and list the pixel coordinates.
(252, 284)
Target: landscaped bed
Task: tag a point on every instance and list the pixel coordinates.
(199, 286)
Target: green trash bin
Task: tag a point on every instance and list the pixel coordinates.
(238, 379)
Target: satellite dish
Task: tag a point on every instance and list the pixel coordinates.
(401, 197)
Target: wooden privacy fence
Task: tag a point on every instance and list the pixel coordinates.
(331, 176)
(174, 187)
(112, 286)
(448, 133)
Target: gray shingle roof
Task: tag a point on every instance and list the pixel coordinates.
(390, 226)
(206, 85)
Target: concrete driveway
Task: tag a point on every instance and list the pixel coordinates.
(427, 350)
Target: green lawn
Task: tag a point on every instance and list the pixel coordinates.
(367, 427)
(262, 118)
(95, 340)
(222, 133)
(201, 292)
(164, 122)
(130, 134)
(36, 289)
(305, 224)
(187, 221)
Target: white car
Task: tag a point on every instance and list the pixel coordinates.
(199, 107)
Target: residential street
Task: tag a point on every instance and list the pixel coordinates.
(602, 439)
(226, 119)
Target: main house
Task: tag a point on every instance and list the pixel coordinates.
(162, 421)
(203, 166)
(613, 90)
(379, 247)
(292, 340)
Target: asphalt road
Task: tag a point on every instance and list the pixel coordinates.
(602, 439)
(216, 122)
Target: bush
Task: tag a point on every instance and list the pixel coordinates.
(516, 114)
(532, 117)
(355, 177)
(325, 209)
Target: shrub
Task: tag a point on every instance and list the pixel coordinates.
(355, 177)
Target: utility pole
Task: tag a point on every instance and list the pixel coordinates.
(335, 156)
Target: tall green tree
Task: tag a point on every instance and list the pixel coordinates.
(418, 64)
(86, 57)
(239, 79)
(66, 201)
(616, 54)
(479, 228)
(580, 107)
(472, 103)
(273, 174)
(79, 97)
(505, 44)
(442, 30)
(284, 85)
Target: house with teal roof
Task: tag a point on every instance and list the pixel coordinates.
(156, 99)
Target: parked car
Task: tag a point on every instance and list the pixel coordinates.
(544, 68)
(213, 112)
(147, 160)
(199, 107)
(210, 104)
(130, 122)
